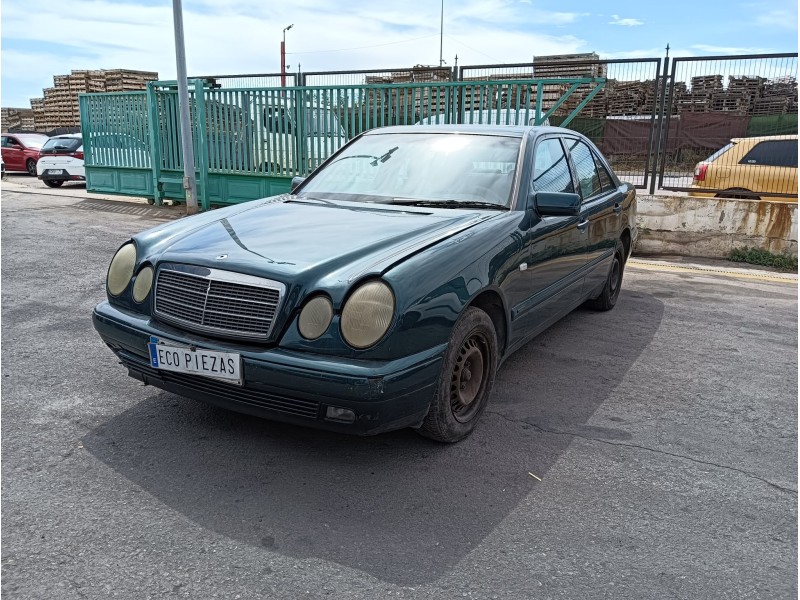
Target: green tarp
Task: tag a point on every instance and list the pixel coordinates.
(772, 125)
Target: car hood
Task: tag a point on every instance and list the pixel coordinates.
(313, 244)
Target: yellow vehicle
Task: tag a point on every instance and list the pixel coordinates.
(750, 168)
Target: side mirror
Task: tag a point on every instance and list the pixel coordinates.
(296, 181)
(557, 204)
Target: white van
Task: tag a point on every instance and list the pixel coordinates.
(286, 138)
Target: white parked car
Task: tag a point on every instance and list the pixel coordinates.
(61, 160)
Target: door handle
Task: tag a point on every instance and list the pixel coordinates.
(617, 208)
(582, 225)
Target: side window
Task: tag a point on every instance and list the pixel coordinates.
(4, 142)
(10, 141)
(778, 153)
(550, 168)
(605, 178)
(584, 165)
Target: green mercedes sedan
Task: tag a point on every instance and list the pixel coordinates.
(386, 289)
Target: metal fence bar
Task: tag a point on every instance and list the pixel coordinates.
(726, 126)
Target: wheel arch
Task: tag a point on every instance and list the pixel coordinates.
(491, 302)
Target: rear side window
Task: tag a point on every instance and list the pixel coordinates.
(550, 170)
(778, 153)
(62, 145)
(605, 179)
(719, 152)
(584, 165)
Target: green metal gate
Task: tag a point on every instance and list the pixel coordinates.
(250, 142)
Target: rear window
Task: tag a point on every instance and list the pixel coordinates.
(719, 152)
(62, 145)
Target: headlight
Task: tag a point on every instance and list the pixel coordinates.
(367, 314)
(315, 317)
(143, 283)
(121, 269)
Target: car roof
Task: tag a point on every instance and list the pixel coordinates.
(502, 130)
(764, 138)
(68, 135)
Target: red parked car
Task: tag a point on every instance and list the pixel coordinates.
(21, 151)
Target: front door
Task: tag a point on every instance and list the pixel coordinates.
(557, 248)
(601, 210)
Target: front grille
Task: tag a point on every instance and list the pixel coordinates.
(205, 386)
(217, 302)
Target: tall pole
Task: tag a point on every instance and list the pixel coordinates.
(189, 179)
(441, 35)
(283, 55)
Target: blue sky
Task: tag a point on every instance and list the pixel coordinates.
(42, 38)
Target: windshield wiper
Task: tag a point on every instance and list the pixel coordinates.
(447, 203)
(384, 157)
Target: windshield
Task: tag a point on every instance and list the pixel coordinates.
(443, 167)
(32, 141)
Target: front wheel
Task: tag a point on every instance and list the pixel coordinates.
(31, 167)
(608, 297)
(53, 183)
(466, 380)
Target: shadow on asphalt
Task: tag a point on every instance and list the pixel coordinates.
(398, 507)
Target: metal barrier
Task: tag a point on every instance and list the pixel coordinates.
(250, 142)
(621, 120)
(251, 136)
(730, 126)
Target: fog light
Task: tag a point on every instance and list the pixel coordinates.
(343, 415)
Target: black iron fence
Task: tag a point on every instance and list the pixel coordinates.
(729, 126)
(722, 125)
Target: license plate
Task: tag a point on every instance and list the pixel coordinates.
(54, 172)
(195, 361)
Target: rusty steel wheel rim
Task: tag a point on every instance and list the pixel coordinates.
(468, 379)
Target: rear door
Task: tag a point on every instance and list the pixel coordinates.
(601, 211)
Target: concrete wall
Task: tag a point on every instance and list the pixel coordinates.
(712, 227)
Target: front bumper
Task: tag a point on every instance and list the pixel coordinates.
(289, 386)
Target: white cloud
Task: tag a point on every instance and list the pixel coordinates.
(240, 36)
(781, 18)
(731, 49)
(627, 22)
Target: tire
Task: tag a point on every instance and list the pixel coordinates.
(608, 297)
(53, 183)
(151, 201)
(30, 165)
(461, 397)
(735, 194)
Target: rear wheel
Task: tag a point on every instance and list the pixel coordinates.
(466, 380)
(53, 183)
(30, 165)
(608, 297)
(738, 194)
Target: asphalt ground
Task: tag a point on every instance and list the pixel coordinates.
(647, 452)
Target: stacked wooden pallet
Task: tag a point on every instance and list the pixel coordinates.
(123, 80)
(59, 106)
(16, 118)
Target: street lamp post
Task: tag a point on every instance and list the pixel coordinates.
(189, 178)
(283, 55)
